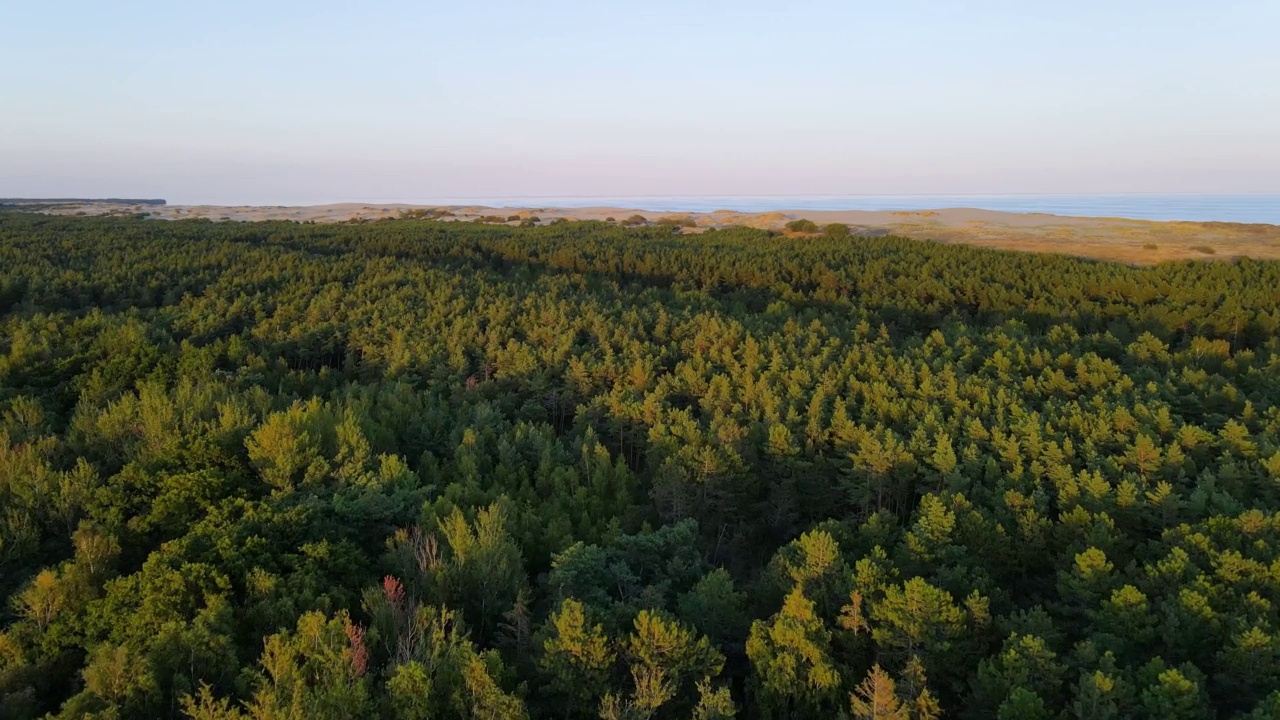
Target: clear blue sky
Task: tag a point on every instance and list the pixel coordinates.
(283, 101)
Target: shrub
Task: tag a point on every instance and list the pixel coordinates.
(424, 214)
(836, 230)
(678, 222)
(1205, 249)
(635, 220)
(802, 226)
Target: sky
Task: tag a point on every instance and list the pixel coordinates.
(278, 102)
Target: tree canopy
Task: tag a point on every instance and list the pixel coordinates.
(424, 469)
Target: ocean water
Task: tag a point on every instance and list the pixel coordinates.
(1222, 208)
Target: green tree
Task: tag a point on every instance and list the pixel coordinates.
(666, 662)
(576, 659)
(483, 571)
(791, 658)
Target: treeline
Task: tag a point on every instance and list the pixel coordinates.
(419, 469)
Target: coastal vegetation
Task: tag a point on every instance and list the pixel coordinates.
(424, 469)
(836, 230)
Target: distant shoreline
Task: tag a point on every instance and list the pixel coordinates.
(1136, 241)
(1195, 207)
(79, 201)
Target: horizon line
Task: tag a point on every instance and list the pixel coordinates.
(436, 198)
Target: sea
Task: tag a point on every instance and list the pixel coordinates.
(1220, 208)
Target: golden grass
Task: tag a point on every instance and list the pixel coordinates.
(1137, 243)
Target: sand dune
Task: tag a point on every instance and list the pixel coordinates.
(1125, 240)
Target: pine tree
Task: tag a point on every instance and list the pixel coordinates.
(790, 654)
(576, 658)
(876, 698)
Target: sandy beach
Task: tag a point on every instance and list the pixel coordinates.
(1124, 240)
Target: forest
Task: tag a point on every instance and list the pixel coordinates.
(439, 470)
